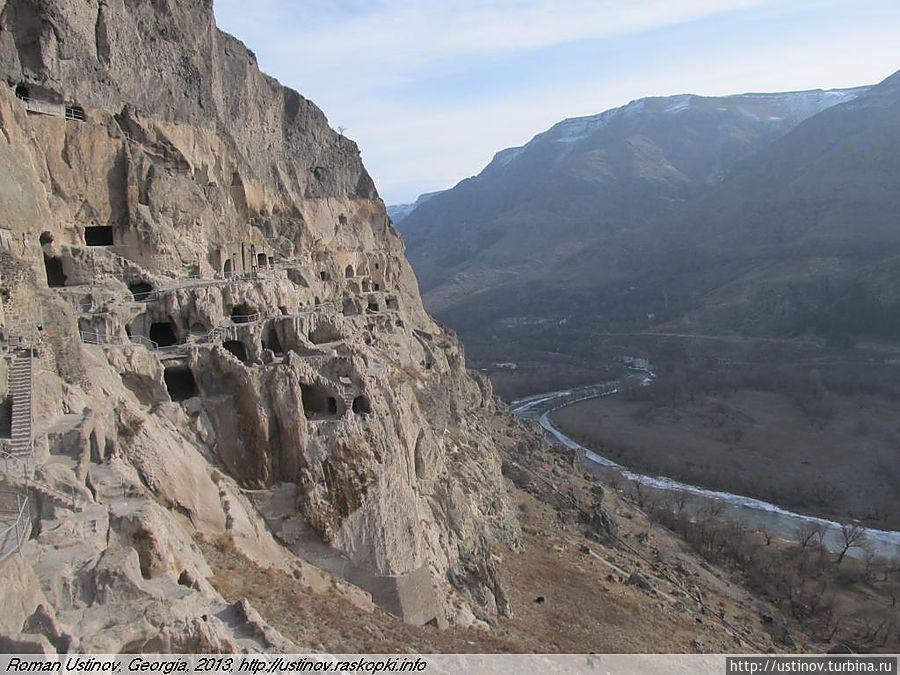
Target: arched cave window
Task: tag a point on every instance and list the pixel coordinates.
(361, 405)
(54, 268)
(237, 348)
(163, 333)
(180, 383)
(228, 268)
(75, 113)
(348, 273)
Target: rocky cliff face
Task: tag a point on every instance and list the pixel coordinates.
(228, 343)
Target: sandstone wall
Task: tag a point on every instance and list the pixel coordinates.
(250, 319)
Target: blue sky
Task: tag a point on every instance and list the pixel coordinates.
(430, 90)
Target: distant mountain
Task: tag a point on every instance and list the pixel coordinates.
(586, 177)
(669, 208)
(399, 212)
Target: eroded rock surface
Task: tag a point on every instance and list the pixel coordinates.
(228, 343)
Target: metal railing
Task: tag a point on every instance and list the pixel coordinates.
(15, 522)
(241, 319)
(145, 296)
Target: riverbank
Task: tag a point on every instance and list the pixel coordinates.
(748, 511)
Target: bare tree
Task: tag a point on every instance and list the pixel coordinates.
(810, 535)
(853, 535)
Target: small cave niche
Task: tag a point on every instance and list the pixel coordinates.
(376, 286)
(419, 455)
(349, 307)
(318, 401)
(262, 259)
(271, 341)
(22, 92)
(98, 235)
(366, 286)
(46, 238)
(317, 301)
(228, 268)
(372, 305)
(180, 383)
(393, 303)
(237, 349)
(348, 272)
(243, 313)
(283, 309)
(56, 278)
(140, 290)
(362, 405)
(324, 276)
(324, 333)
(163, 333)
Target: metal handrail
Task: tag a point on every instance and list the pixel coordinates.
(18, 527)
(145, 296)
(144, 342)
(246, 318)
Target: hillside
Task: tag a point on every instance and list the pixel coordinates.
(586, 179)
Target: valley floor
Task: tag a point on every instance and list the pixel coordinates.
(760, 444)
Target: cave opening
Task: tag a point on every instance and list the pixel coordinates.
(348, 273)
(180, 383)
(163, 333)
(140, 290)
(324, 333)
(75, 113)
(272, 342)
(45, 238)
(56, 278)
(243, 313)
(262, 259)
(228, 268)
(373, 305)
(362, 405)
(98, 235)
(237, 349)
(318, 401)
(23, 93)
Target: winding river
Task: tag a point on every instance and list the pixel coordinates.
(750, 512)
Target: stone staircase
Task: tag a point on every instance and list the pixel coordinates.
(21, 381)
